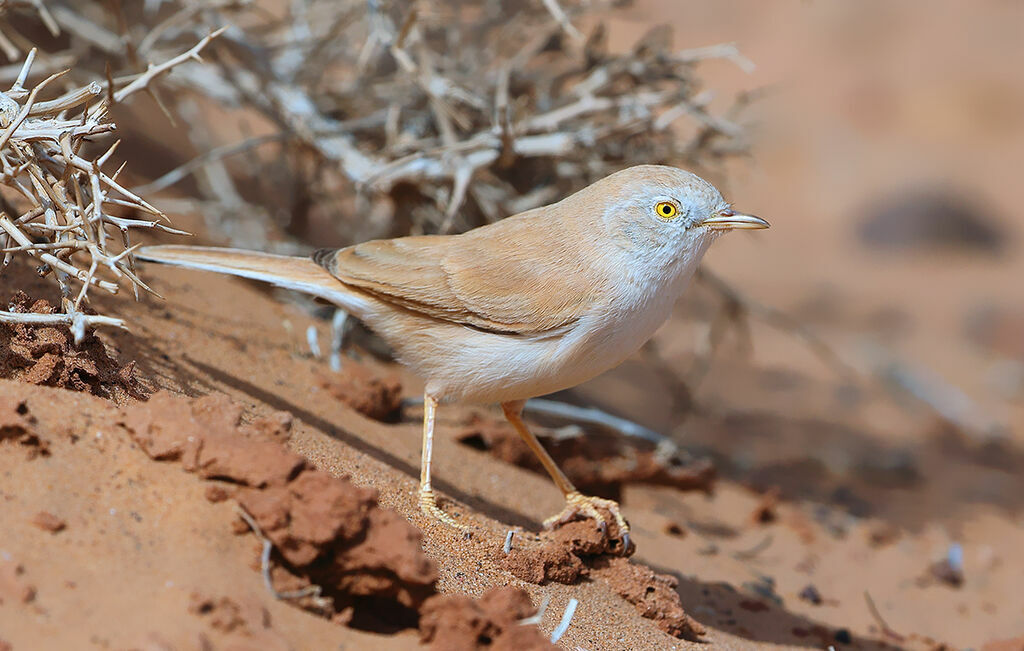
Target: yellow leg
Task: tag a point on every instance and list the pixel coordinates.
(428, 501)
(576, 502)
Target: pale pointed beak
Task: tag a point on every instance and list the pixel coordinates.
(728, 220)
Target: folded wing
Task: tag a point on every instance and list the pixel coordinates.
(483, 279)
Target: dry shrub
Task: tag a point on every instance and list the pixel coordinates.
(329, 121)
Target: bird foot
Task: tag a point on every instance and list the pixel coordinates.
(428, 504)
(588, 506)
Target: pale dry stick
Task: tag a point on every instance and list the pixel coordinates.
(101, 161)
(54, 129)
(590, 104)
(76, 245)
(757, 548)
(443, 112)
(51, 64)
(47, 17)
(727, 51)
(311, 590)
(217, 153)
(10, 49)
(154, 71)
(537, 617)
(178, 17)
(340, 324)
(716, 123)
(567, 615)
(68, 100)
(318, 55)
(562, 19)
(107, 41)
(23, 114)
(695, 108)
(17, 90)
(877, 616)
(90, 320)
(313, 341)
(592, 415)
(462, 177)
(947, 401)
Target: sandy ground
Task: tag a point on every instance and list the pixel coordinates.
(828, 482)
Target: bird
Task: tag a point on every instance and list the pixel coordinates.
(532, 304)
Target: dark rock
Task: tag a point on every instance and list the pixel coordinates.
(930, 218)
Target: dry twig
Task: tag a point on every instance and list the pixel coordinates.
(58, 205)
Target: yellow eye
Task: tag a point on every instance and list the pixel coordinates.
(666, 210)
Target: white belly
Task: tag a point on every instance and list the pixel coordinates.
(486, 367)
(477, 366)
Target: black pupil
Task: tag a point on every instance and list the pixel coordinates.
(665, 210)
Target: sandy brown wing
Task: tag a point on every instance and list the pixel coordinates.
(483, 282)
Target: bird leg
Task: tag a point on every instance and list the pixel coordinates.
(428, 501)
(576, 502)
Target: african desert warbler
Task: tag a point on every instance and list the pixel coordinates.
(533, 304)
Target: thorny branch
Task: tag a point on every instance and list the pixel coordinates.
(57, 204)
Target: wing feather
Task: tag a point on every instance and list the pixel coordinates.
(481, 278)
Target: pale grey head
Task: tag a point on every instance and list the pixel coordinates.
(661, 212)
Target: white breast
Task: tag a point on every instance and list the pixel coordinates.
(488, 367)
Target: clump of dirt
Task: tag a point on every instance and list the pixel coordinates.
(17, 425)
(566, 553)
(1014, 644)
(326, 531)
(767, 507)
(248, 620)
(49, 522)
(205, 436)
(654, 595)
(581, 548)
(14, 586)
(598, 462)
(331, 533)
(379, 398)
(544, 563)
(492, 622)
(48, 355)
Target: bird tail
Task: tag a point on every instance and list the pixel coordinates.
(297, 273)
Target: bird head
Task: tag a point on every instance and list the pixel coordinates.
(664, 215)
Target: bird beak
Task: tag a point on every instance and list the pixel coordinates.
(728, 220)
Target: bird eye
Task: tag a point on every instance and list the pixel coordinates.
(666, 210)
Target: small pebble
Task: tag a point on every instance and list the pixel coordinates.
(811, 594)
(945, 572)
(48, 522)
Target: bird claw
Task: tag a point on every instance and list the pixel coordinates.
(588, 506)
(428, 504)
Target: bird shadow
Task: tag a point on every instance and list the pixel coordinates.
(495, 511)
